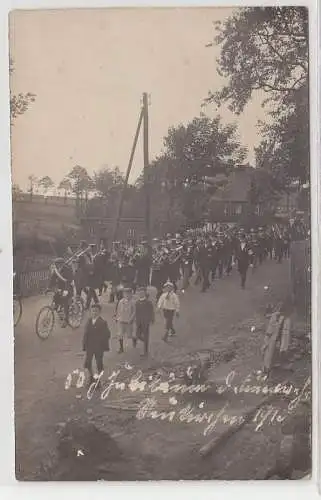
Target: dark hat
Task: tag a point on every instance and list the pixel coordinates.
(96, 306)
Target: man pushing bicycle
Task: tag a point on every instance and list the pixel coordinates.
(61, 282)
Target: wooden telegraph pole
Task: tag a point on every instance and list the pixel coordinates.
(130, 163)
(143, 117)
(146, 165)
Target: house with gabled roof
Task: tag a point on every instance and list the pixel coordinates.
(231, 201)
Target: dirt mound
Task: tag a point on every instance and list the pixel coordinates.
(83, 453)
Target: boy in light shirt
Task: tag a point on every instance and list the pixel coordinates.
(125, 316)
(169, 304)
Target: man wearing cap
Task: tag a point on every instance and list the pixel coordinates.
(243, 256)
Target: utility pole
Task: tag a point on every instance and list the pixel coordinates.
(142, 118)
(130, 163)
(146, 165)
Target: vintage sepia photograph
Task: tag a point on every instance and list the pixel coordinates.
(161, 243)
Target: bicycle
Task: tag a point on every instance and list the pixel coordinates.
(17, 309)
(47, 315)
(17, 302)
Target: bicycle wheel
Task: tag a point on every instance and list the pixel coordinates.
(76, 313)
(45, 322)
(81, 303)
(17, 310)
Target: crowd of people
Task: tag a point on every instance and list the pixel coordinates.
(168, 265)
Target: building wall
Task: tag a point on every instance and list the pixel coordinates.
(96, 229)
(227, 211)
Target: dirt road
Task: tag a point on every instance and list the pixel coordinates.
(226, 320)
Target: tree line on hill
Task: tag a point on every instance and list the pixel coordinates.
(261, 49)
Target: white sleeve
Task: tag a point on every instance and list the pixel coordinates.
(160, 302)
(177, 304)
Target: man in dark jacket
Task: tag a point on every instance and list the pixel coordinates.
(96, 341)
(144, 317)
(205, 257)
(243, 256)
(143, 265)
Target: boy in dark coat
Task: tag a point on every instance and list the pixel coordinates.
(96, 341)
(144, 315)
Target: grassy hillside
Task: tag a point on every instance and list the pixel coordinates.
(38, 220)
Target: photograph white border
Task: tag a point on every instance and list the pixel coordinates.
(9, 487)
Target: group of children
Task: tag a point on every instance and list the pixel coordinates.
(134, 318)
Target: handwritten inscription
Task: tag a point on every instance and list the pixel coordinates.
(149, 408)
(136, 384)
(256, 385)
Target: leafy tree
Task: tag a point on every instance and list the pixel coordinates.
(46, 183)
(19, 103)
(264, 190)
(81, 185)
(262, 48)
(33, 183)
(65, 185)
(106, 181)
(107, 184)
(204, 147)
(284, 149)
(192, 153)
(266, 49)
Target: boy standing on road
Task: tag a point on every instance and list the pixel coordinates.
(169, 304)
(125, 315)
(144, 318)
(95, 341)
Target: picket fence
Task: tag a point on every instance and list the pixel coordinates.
(34, 282)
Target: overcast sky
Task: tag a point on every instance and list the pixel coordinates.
(89, 69)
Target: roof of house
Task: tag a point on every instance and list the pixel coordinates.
(237, 187)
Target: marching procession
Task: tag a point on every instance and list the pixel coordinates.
(197, 257)
(209, 255)
(160, 244)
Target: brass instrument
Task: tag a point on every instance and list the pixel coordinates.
(69, 261)
(175, 255)
(76, 255)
